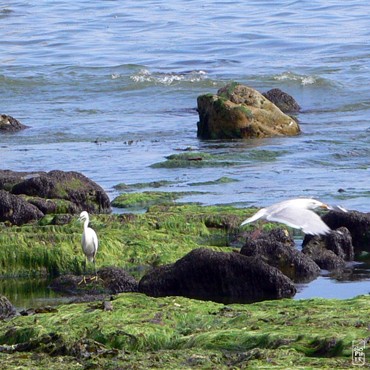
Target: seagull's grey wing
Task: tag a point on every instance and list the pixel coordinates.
(337, 208)
(298, 218)
(260, 214)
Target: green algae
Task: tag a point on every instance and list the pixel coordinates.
(198, 160)
(228, 90)
(143, 185)
(146, 199)
(194, 159)
(175, 332)
(221, 180)
(162, 235)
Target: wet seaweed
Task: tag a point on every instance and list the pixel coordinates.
(177, 332)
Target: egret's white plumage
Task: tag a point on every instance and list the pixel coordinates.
(89, 241)
(296, 213)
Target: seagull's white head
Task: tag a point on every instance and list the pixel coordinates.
(313, 204)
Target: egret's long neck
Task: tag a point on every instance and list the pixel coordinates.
(86, 223)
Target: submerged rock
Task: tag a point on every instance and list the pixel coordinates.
(278, 249)
(10, 124)
(218, 276)
(40, 193)
(238, 111)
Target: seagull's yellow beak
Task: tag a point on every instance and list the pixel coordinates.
(325, 206)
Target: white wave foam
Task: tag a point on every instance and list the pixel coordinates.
(145, 76)
(303, 80)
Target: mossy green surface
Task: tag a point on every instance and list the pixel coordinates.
(221, 180)
(179, 333)
(163, 234)
(146, 199)
(142, 185)
(195, 159)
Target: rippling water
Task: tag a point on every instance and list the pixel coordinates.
(109, 88)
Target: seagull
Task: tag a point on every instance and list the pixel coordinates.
(89, 242)
(296, 213)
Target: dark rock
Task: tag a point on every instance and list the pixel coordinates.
(330, 252)
(46, 206)
(112, 280)
(71, 186)
(48, 193)
(10, 124)
(7, 310)
(357, 223)
(38, 310)
(10, 178)
(325, 258)
(282, 100)
(73, 285)
(340, 242)
(238, 111)
(16, 210)
(218, 276)
(278, 249)
(117, 280)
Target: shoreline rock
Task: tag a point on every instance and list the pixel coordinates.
(28, 196)
(111, 280)
(224, 277)
(278, 249)
(331, 251)
(358, 224)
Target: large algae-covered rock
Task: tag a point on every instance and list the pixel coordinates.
(238, 111)
(218, 276)
(48, 192)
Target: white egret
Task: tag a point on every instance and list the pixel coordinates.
(296, 213)
(89, 242)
